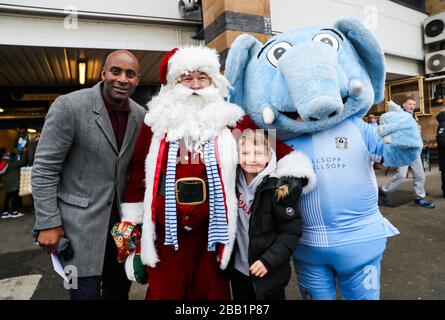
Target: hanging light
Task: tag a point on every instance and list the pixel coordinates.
(82, 68)
(2, 110)
(32, 130)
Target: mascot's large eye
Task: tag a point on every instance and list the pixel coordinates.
(276, 52)
(328, 39)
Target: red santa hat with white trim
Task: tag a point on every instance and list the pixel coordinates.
(184, 60)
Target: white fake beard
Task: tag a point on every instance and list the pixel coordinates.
(182, 112)
(198, 98)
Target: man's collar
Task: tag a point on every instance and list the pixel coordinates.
(124, 108)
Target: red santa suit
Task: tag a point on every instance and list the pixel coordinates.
(189, 271)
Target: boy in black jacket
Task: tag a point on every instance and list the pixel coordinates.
(269, 223)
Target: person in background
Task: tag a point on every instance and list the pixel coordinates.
(440, 138)
(11, 181)
(408, 105)
(22, 140)
(33, 140)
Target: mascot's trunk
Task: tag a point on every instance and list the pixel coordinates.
(313, 85)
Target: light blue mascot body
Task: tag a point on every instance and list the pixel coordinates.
(313, 85)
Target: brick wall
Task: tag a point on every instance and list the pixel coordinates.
(224, 20)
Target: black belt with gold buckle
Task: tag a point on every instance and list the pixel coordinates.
(190, 191)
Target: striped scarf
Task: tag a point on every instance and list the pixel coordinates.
(218, 229)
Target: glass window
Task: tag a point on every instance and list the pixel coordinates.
(414, 4)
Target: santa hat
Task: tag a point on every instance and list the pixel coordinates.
(184, 60)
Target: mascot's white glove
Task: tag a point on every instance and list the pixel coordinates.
(401, 135)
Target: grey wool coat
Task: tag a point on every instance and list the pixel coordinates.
(77, 171)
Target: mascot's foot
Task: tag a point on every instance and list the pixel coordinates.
(424, 203)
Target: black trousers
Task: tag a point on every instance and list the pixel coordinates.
(113, 284)
(243, 288)
(12, 201)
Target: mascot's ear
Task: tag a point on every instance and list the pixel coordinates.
(243, 48)
(369, 51)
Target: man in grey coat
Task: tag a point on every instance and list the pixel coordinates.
(79, 176)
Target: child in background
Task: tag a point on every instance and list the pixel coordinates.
(269, 224)
(11, 181)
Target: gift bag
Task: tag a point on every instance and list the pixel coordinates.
(25, 181)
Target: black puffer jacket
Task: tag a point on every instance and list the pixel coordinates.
(274, 231)
(440, 137)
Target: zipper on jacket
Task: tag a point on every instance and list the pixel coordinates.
(253, 216)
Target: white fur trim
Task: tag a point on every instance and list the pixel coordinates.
(132, 212)
(196, 58)
(192, 58)
(228, 156)
(129, 270)
(297, 164)
(149, 256)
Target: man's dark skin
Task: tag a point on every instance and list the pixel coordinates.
(120, 76)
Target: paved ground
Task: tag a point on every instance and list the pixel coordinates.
(413, 265)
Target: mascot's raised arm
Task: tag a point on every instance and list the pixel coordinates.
(313, 85)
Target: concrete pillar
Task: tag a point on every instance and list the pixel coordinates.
(224, 20)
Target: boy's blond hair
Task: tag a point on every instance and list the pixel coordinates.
(259, 137)
(256, 137)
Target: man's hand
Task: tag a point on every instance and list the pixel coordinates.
(49, 238)
(258, 269)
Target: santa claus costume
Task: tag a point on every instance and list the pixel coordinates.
(181, 182)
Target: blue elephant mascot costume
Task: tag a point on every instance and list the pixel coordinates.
(313, 86)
